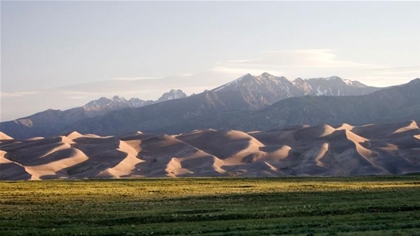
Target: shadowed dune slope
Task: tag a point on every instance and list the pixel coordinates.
(343, 150)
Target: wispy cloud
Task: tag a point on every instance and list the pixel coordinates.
(17, 94)
(82, 93)
(240, 70)
(320, 58)
(309, 63)
(388, 75)
(285, 61)
(131, 78)
(411, 69)
(244, 61)
(76, 97)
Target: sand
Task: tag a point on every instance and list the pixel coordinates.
(4, 136)
(294, 151)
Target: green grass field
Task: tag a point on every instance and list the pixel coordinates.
(204, 206)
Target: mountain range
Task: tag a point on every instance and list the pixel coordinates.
(394, 104)
(50, 122)
(174, 112)
(265, 89)
(236, 110)
(104, 105)
(321, 150)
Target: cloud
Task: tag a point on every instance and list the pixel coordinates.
(319, 58)
(388, 70)
(310, 63)
(76, 97)
(81, 93)
(241, 70)
(17, 94)
(289, 62)
(131, 78)
(244, 61)
(387, 75)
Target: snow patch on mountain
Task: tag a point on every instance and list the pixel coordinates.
(265, 89)
(232, 83)
(116, 102)
(171, 95)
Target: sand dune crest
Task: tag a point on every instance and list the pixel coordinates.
(295, 151)
(3, 159)
(412, 126)
(345, 126)
(4, 136)
(313, 132)
(323, 149)
(73, 135)
(126, 167)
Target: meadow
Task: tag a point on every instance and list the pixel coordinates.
(379, 205)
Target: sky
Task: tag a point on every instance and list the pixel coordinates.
(63, 54)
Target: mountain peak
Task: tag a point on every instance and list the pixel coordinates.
(337, 80)
(103, 104)
(266, 74)
(118, 99)
(415, 81)
(246, 76)
(334, 77)
(331, 78)
(172, 94)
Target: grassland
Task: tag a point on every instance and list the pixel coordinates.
(225, 206)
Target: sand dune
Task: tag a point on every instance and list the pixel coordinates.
(125, 168)
(230, 146)
(55, 169)
(3, 159)
(344, 126)
(313, 132)
(4, 136)
(321, 153)
(202, 163)
(11, 170)
(323, 150)
(174, 168)
(275, 137)
(73, 135)
(35, 138)
(354, 137)
(275, 153)
(378, 131)
(411, 126)
(131, 147)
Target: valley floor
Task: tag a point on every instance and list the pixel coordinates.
(382, 205)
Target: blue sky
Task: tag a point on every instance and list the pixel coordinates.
(198, 45)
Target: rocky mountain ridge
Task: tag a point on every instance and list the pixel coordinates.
(49, 122)
(265, 89)
(103, 105)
